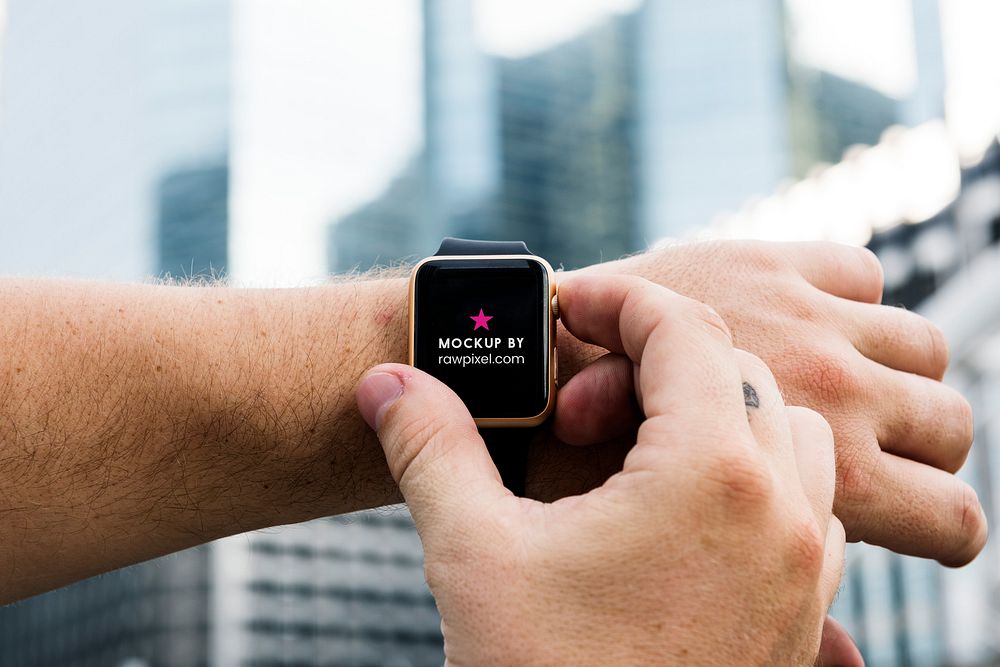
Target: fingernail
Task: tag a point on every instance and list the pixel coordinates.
(376, 393)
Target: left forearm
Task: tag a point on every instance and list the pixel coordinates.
(136, 420)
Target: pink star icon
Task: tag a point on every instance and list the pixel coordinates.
(481, 320)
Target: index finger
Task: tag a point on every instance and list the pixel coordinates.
(686, 366)
(841, 270)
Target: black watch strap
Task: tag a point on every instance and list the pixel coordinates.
(508, 446)
(509, 449)
(453, 246)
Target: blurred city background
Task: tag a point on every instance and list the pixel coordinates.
(272, 143)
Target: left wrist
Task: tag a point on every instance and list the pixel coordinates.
(321, 458)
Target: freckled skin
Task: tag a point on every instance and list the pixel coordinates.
(194, 413)
(385, 317)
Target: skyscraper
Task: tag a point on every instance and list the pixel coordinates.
(193, 222)
(567, 118)
(538, 148)
(461, 160)
(644, 126)
(829, 113)
(712, 109)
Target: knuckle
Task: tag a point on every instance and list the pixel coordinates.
(953, 419)
(968, 514)
(436, 573)
(802, 306)
(741, 481)
(937, 347)
(830, 378)
(855, 488)
(764, 257)
(966, 423)
(939, 418)
(871, 269)
(754, 365)
(805, 547)
(838, 541)
(962, 433)
(705, 318)
(812, 420)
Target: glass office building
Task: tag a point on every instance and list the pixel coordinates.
(537, 148)
(643, 126)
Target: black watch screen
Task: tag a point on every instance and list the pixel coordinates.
(481, 326)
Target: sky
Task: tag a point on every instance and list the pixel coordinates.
(326, 109)
(865, 41)
(516, 28)
(3, 24)
(972, 66)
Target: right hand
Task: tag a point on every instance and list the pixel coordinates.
(714, 545)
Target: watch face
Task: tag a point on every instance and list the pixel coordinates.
(481, 326)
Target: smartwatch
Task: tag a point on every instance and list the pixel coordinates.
(482, 320)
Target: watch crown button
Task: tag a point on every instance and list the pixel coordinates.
(555, 306)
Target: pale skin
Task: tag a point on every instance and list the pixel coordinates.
(740, 565)
(138, 420)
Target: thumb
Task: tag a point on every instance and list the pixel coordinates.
(430, 441)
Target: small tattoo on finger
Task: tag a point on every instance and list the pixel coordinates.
(750, 398)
